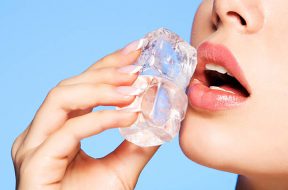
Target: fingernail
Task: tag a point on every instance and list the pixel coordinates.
(130, 69)
(129, 90)
(133, 46)
(125, 109)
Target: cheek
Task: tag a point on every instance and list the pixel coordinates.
(202, 26)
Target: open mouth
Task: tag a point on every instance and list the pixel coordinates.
(218, 78)
(218, 82)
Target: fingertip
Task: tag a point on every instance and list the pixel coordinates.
(130, 69)
(126, 79)
(130, 58)
(128, 117)
(134, 46)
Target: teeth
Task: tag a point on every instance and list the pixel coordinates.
(230, 74)
(217, 68)
(218, 88)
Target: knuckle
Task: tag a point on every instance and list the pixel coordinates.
(17, 144)
(18, 159)
(101, 89)
(94, 66)
(15, 148)
(111, 74)
(109, 59)
(55, 93)
(64, 82)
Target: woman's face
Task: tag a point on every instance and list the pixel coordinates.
(244, 129)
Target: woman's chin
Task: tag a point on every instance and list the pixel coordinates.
(205, 145)
(222, 147)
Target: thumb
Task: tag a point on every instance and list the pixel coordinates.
(130, 159)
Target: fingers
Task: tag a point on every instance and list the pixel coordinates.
(125, 75)
(122, 57)
(79, 95)
(65, 140)
(55, 154)
(83, 96)
(64, 99)
(132, 159)
(115, 68)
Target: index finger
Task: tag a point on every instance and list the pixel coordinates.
(122, 57)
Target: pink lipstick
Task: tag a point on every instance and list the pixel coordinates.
(218, 82)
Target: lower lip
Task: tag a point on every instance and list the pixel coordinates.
(202, 97)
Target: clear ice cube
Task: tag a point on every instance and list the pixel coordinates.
(168, 64)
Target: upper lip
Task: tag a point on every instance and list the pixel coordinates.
(219, 55)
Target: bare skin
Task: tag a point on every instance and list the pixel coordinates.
(251, 139)
(48, 154)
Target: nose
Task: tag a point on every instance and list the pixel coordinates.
(242, 15)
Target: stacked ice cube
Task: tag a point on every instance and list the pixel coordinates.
(168, 63)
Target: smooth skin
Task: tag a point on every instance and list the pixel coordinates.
(252, 139)
(48, 154)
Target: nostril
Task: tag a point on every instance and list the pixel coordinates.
(216, 22)
(243, 21)
(238, 17)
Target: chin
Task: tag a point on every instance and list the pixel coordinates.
(212, 142)
(202, 142)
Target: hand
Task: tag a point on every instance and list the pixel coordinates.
(47, 155)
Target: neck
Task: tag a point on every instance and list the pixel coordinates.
(261, 183)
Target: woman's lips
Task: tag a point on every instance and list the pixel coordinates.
(201, 96)
(199, 93)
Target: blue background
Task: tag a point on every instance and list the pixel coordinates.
(42, 42)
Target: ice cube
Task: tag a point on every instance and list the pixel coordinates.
(168, 65)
